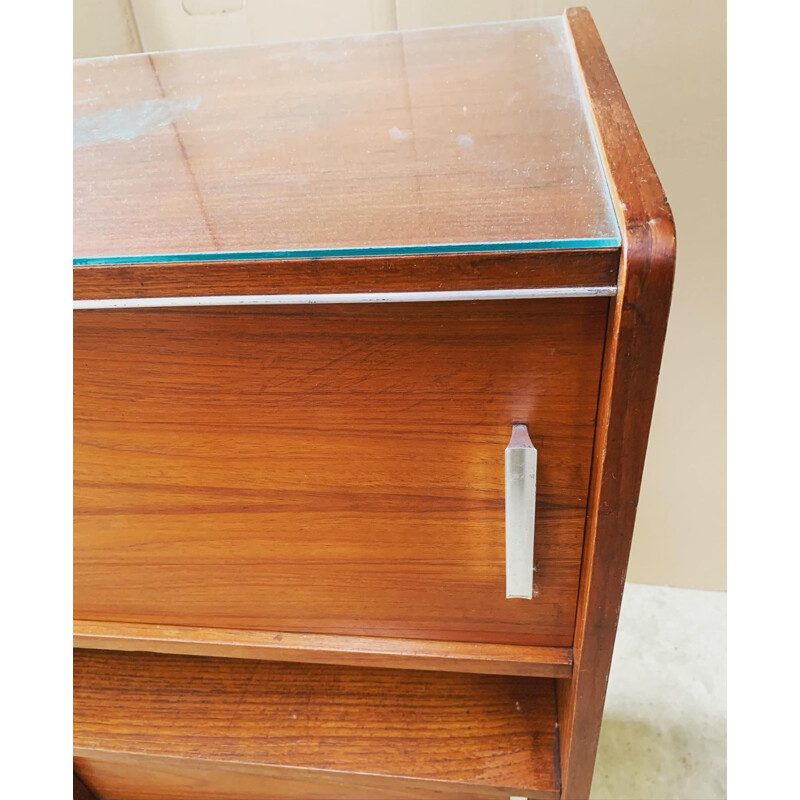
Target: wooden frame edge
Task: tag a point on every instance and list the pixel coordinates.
(458, 272)
(363, 651)
(634, 346)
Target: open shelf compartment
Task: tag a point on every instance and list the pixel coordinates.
(160, 726)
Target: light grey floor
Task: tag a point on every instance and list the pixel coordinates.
(664, 727)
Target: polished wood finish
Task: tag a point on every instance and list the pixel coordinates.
(637, 326)
(460, 135)
(364, 651)
(441, 729)
(147, 777)
(331, 469)
(545, 269)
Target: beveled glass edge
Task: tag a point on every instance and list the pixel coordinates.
(586, 106)
(354, 252)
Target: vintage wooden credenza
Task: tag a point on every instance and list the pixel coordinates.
(367, 334)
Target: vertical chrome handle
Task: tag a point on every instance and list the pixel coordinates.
(520, 512)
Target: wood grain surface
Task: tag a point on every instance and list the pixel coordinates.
(495, 732)
(546, 269)
(469, 134)
(637, 327)
(335, 470)
(122, 776)
(365, 651)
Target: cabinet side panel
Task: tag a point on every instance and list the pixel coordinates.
(635, 342)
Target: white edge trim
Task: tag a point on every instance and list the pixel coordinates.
(345, 298)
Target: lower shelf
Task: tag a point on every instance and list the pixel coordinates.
(154, 726)
(358, 651)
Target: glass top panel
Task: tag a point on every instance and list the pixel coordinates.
(439, 140)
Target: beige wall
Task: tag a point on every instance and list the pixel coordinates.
(103, 28)
(670, 58)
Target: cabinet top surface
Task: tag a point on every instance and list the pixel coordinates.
(441, 140)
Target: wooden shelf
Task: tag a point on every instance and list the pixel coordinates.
(360, 651)
(154, 725)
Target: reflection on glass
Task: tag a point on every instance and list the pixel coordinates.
(450, 139)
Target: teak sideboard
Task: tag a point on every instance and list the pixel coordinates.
(367, 333)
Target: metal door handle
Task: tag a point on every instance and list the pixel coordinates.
(521, 457)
